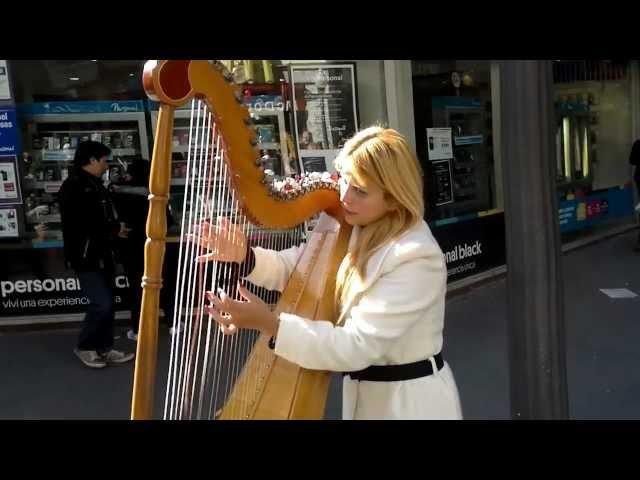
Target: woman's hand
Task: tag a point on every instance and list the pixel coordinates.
(226, 241)
(251, 314)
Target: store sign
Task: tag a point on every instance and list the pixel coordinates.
(82, 107)
(472, 246)
(35, 282)
(8, 131)
(49, 295)
(264, 102)
(595, 208)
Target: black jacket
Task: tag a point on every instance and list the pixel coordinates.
(132, 204)
(90, 224)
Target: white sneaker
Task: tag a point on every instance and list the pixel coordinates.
(90, 358)
(131, 335)
(116, 356)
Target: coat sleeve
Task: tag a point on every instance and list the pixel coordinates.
(274, 267)
(388, 309)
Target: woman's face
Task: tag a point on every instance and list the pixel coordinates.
(363, 204)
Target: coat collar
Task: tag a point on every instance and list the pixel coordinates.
(374, 267)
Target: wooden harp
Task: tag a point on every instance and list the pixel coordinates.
(213, 376)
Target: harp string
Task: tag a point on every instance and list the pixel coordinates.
(204, 363)
(192, 249)
(175, 362)
(196, 287)
(235, 339)
(193, 273)
(211, 179)
(202, 268)
(219, 340)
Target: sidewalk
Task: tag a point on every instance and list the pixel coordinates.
(41, 378)
(603, 348)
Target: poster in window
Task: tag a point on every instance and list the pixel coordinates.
(9, 185)
(443, 182)
(8, 223)
(5, 93)
(325, 106)
(439, 145)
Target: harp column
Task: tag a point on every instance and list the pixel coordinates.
(159, 185)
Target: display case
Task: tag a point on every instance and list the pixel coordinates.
(51, 132)
(574, 141)
(469, 166)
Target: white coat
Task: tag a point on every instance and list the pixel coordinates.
(395, 317)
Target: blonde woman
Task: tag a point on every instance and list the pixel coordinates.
(390, 287)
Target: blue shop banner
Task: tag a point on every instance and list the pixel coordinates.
(468, 140)
(126, 106)
(456, 102)
(8, 132)
(597, 207)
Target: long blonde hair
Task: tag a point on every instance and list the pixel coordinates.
(381, 156)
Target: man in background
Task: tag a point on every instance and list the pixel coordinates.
(90, 227)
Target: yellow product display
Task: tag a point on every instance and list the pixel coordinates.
(249, 71)
(267, 69)
(252, 71)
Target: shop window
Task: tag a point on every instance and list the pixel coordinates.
(454, 141)
(593, 138)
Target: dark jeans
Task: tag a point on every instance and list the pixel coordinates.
(97, 327)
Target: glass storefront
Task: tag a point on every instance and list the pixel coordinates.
(594, 127)
(593, 138)
(303, 111)
(452, 103)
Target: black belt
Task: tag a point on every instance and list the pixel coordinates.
(394, 373)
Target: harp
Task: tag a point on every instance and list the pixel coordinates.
(213, 376)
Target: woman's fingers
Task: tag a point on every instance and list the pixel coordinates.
(207, 258)
(228, 329)
(246, 294)
(223, 240)
(224, 321)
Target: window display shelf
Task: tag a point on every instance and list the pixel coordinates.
(66, 155)
(89, 130)
(45, 219)
(269, 146)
